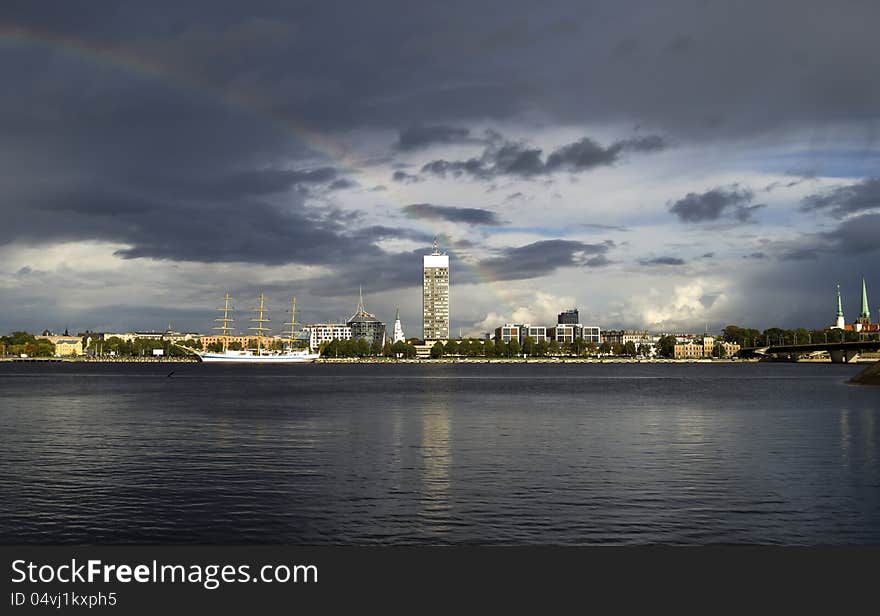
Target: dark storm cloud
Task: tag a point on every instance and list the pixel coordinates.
(225, 231)
(467, 215)
(845, 200)
(544, 257)
(713, 204)
(499, 60)
(405, 178)
(662, 261)
(417, 137)
(516, 159)
(176, 128)
(855, 236)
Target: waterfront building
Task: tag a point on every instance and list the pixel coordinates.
(622, 336)
(435, 295)
(365, 325)
(246, 342)
(320, 333)
(563, 333)
(507, 332)
(590, 333)
(568, 317)
(65, 346)
(688, 350)
(704, 348)
(537, 333)
(398, 335)
(126, 337)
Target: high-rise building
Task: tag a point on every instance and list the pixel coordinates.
(568, 317)
(435, 295)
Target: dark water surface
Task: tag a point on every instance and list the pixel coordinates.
(549, 454)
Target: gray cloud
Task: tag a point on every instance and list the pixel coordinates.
(662, 261)
(714, 203)
(544, 257)
(515, 159)
(405, 178)
(417, 137)
(845, 200)
(467, 215)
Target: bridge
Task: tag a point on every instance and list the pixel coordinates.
(840, 352)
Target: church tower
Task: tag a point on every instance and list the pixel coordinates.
(398, 328)
(865, 315)
(840, 323)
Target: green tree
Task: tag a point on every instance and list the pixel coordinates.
(500, 348)
(629, 349)
(541, 348)
(362, 347)
(451, 348)
(553, 349)
(437, 350)
(719, 351)
(666, 346)
(488, 348)
(235, 345)
(513, 348)
(528, 346)
(605, 348)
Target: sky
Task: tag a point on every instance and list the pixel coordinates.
(672, 166)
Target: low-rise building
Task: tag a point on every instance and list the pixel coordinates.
(319, 333)
(245, 341)
(704, 348)
(507, 332)
(65, 346)
(566, 333)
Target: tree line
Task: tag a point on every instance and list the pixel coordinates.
(23, 343)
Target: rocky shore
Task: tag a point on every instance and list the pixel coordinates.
(868, 376)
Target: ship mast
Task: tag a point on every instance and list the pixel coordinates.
(259, 321)
(225, 320)
(292, 321)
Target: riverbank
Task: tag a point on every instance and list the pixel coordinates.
(868, 376)
(442, 360)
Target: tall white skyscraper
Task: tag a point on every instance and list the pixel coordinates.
(435, 295)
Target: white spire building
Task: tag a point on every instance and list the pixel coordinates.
(398, 329)
(840, 322)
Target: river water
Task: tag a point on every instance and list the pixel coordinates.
(438, 454)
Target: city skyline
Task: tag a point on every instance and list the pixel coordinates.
(644, 165)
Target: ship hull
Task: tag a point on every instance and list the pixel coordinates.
(281, 358)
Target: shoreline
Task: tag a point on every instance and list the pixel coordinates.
(445, 360)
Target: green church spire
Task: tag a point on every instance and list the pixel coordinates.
(866, 313)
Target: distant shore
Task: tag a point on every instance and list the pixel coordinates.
(443, 360)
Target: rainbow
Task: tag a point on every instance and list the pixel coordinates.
(146, 68)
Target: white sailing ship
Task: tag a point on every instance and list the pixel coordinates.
(259, 355)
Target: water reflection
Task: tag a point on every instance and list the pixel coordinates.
(436, 461)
